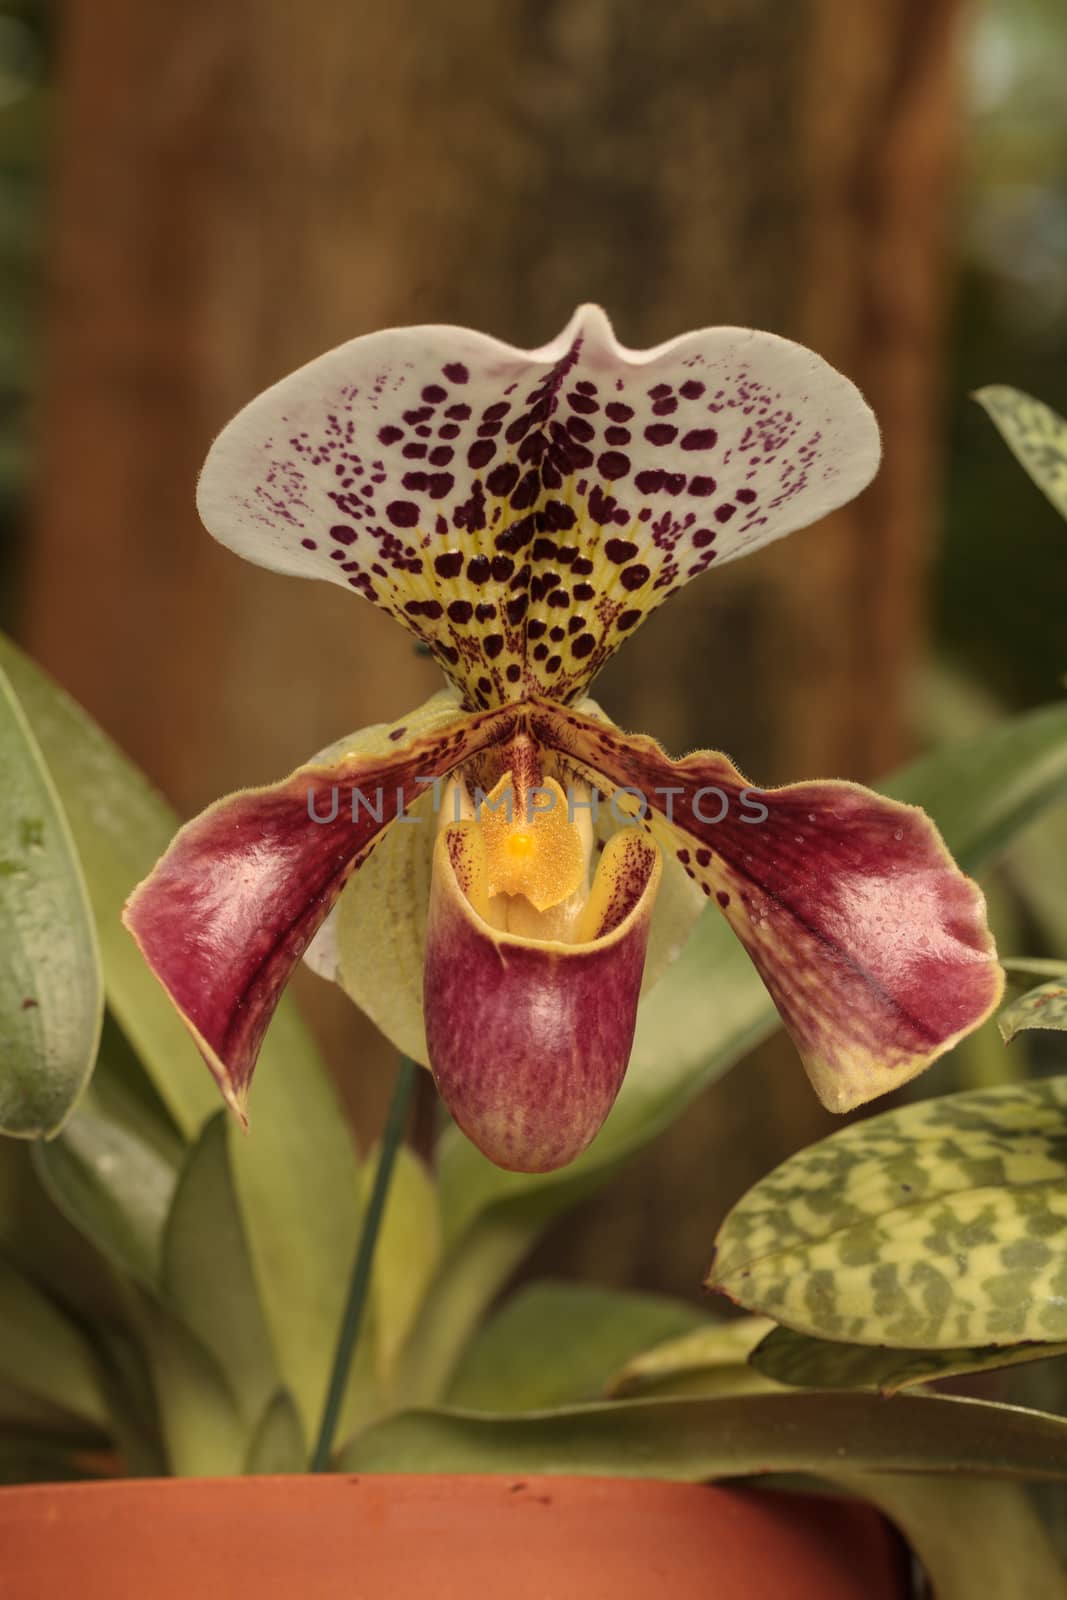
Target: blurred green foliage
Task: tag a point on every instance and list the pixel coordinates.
(1002, 571)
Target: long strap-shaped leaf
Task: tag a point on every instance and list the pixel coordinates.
(690, 1440)
(51, 993)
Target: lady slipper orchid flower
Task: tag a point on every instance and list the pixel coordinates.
(485, 872)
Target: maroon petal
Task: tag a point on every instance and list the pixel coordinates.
(529, 1040)
(872, 942)
(227, 913)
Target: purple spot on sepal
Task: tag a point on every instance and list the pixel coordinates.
(456, 372)
(582, 402)
(613, 465)
(635, 577)
(661, 433)
(620, 551)
(502, 480)
(699, 439)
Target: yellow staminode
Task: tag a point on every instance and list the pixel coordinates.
(533, 844)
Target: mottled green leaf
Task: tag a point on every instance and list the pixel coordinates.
(207, 1276)
(278, 1443)
(806, 1363)
(51, 991)
(42, 1353)
(940, 1225)
(1036, 436)
(976, 1539)
(1043, 1007)
(690, 1440)
(712, 1359)
(556, 1343)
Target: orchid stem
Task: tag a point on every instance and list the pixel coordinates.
(359, 1283)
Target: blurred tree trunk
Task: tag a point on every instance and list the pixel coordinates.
(242, 183)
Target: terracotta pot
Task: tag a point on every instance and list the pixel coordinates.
(460, 1538)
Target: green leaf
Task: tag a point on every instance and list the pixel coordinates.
(805, 1363)
(1035, 435)
(202, 1427)
(38, 1239)
(984, 790)
(278, 1442)
(939, 1225)
(296, 1174)
(51, 992)
(407, 1254)
(112, 1173)
(120, 828)
(207, 1277)
(974, 1537)
(691, 1440)
(28, 1459)
(1038, 967)
(132, 1397)
(556, 1343)
(298, 1187)
(1043, 1007)
(26, 1414)
(42, 1354)
(712, 1359)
